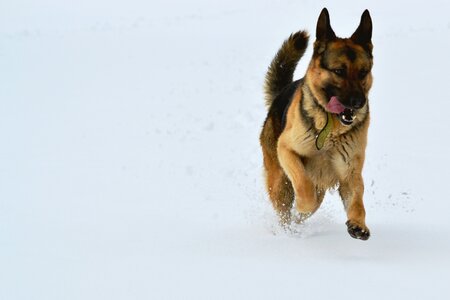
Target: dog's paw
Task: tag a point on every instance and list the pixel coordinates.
(306, 206)
(300, 218)
(357, 231)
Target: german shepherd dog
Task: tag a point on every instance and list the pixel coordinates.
(315, 134)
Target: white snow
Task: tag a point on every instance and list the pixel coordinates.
(130, 166)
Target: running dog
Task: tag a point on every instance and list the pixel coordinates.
(315, 134)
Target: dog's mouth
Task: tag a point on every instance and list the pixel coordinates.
(346, 115)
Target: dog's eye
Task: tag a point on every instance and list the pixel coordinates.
(339, 72)
(363, 74)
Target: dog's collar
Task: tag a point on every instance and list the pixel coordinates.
(328, 128)
(325, 132)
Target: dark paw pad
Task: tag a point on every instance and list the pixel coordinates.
(357, 231)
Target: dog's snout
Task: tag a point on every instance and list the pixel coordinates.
(357, 102)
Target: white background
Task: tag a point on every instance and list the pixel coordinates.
(130, 166)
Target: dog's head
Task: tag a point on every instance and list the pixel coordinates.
(340, 72)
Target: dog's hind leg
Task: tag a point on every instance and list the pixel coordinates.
(279, 187)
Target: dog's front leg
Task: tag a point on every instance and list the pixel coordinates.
(305, 193)
(351, 191)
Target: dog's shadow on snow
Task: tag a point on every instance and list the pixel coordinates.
(388, 243)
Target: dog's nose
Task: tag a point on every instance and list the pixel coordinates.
(357, 102)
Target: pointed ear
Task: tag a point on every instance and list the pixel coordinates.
(363, 34)
(324, 31)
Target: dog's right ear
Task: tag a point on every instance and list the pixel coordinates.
(324, 32)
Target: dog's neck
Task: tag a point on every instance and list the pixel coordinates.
(312, 111)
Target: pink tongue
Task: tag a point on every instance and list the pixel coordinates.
(335, 106)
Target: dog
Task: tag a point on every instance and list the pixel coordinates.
(315, 134)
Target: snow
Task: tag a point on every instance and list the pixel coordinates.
(130, 166)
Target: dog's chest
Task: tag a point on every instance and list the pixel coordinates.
(327, 166)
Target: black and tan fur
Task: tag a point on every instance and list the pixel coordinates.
(295, 169)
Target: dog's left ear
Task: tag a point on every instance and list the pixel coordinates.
(363, 34)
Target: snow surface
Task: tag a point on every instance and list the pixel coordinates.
(130, 166)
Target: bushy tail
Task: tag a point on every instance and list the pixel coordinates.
(282, 67)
